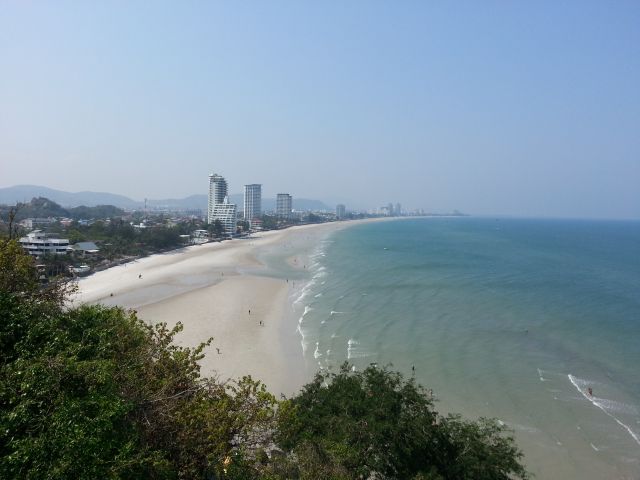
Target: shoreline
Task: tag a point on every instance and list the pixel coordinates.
(225, 290)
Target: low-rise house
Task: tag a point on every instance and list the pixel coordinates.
(39, 243)
(84, 248)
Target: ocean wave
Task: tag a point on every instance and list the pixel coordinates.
(602, 403)
(302, 341)
(304, 291)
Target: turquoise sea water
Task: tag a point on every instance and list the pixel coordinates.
(513, 319)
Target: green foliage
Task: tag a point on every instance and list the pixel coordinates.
(99, 211)
(374, 423)
(41, 207)
(216, 228)
(93, 392)
(17, 269)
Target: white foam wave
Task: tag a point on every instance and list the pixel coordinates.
(304, 292)
(316, 353)
(333, 312)
(302, 342)
(600, 403)
(317, 296)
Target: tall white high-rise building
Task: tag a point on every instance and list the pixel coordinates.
(283, 205)
(217, 193)
(252, 201)
(340, 211)
(226, 213)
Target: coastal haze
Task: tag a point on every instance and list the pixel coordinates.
(488, 108)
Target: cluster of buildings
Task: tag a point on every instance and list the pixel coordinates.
(38, 243)
(220, 209)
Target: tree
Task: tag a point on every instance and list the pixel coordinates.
(17, 269)
(94, 392)
(374, 424)
(216, 228)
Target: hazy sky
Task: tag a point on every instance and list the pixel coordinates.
(519, 108)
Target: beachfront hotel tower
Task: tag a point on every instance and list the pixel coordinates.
(340, 211)
(217, 194)
(283, 205)
(226, 213)
(252, 201)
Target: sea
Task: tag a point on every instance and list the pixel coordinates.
(533, 322)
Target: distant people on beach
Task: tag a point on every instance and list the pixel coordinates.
(140, 276)
(218, 350)
(590, 391)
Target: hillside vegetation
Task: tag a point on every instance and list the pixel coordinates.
(40, 207)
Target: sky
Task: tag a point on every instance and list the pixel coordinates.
(491, 108)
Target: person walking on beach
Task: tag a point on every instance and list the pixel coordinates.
(249, 311)
(590, 392)
(140, 276)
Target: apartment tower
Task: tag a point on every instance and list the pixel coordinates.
(217, 194)
(227, 215)
(252, 201)
(283, 205)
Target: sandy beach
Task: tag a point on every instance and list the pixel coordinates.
(226, 291)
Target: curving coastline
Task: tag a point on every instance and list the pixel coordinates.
(237, 292)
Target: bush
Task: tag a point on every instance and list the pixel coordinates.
(376, 424)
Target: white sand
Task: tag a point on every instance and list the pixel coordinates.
(208, 289)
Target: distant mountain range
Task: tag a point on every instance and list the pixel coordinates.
(24, 193)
